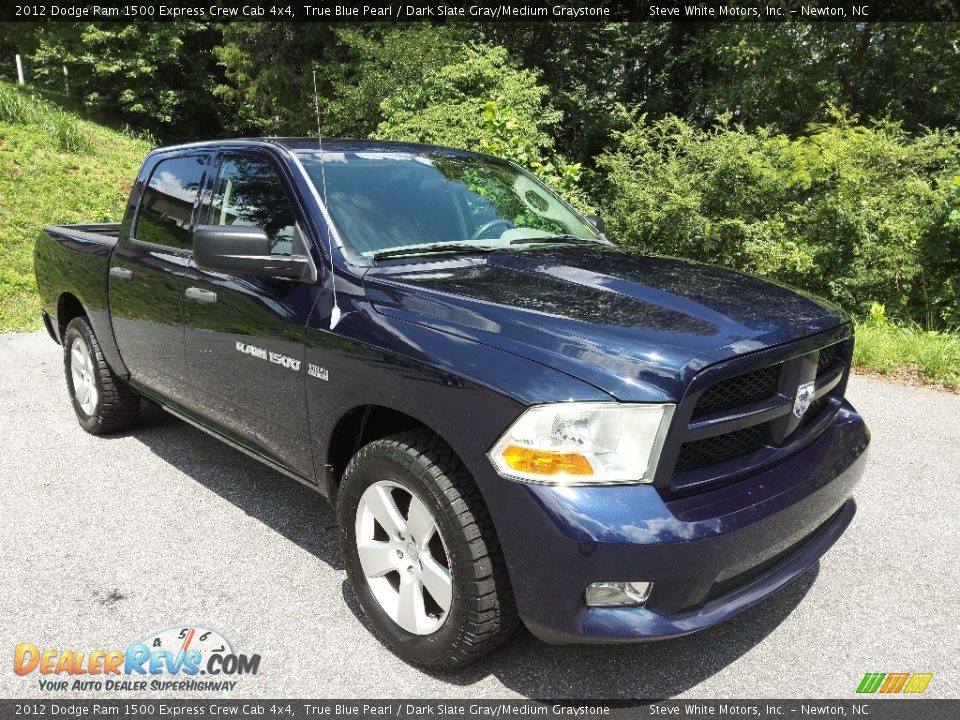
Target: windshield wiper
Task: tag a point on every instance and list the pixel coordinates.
(441, 249)
(552, 240)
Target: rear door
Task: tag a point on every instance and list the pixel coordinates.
(149, 272)
(245, 333)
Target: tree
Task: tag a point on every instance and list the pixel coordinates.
(15, 38)
(152, 76)
(782, 75)
(446, 107)
(481, 101)
(268, 68)
(373, 62)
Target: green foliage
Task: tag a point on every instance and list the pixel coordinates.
(878, 314)
(859, 214)
(782, 75)
(482, 102)
(19, 106)
(906, 351)
(506, 138)
(44, 181)
(446, 108)
(762, 172)
(154, 76)
(15, 37)
(268, 68)
(357, 67)
(181, 80)
(368, 64)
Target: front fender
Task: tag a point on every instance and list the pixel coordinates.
(466, 392)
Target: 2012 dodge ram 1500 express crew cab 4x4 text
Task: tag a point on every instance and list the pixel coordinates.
(515, 419)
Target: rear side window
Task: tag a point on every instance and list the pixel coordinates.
(167, 202)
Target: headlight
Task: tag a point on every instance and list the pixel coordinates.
(583, 443)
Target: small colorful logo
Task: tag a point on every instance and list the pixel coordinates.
(890, 683)
(171, 659)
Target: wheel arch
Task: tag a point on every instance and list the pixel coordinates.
(68, 308)
(361, 425)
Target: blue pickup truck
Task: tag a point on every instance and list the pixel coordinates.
(516, 420)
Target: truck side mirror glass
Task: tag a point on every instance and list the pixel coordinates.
(597, 222)
(244, 249)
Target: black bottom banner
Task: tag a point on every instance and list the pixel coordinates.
(869, 709)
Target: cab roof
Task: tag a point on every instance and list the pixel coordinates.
(301, 144)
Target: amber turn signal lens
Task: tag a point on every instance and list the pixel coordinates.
(545, 462)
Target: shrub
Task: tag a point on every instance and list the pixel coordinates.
(859, 214)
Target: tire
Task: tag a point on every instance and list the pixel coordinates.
(103, 402)
(480, 611)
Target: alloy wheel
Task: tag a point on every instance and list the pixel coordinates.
(84, 381)
(403, 557)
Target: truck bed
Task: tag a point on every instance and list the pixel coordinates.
(72, 263)
(105, 233)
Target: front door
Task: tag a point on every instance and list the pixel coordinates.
(244, 333)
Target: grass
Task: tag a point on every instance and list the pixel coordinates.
(55, 168)
(62, 129)
(908, 353)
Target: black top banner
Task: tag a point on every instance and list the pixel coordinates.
(486, 11)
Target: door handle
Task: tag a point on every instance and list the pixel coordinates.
(121, 273)
(201, 295)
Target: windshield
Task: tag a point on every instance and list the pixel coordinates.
(392, 203)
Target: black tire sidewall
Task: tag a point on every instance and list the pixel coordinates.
(425, 649)
(79, 329)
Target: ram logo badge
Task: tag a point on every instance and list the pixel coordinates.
(804, 398)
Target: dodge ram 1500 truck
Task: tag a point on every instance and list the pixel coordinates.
(515, 419)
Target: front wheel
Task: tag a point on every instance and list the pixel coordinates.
(421, 553)
(102, 401)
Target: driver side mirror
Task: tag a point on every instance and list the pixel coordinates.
(236, 248)
(596, 221)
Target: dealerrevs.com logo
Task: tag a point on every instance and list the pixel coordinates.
(187, 658)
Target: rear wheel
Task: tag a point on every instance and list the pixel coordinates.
(102, 400)
(421, 553)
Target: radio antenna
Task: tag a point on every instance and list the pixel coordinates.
(335, 312)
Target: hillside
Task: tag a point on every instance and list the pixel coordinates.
(55, 168)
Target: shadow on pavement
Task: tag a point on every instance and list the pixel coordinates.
(295, 511)
(525, 665)
(654, 670)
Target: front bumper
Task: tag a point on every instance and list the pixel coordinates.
(710, 555)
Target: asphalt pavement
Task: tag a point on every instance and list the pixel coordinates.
(104, 540)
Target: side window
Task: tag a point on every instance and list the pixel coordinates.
(249, 192)
(167, 202)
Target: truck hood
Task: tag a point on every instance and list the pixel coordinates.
(636, 327)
